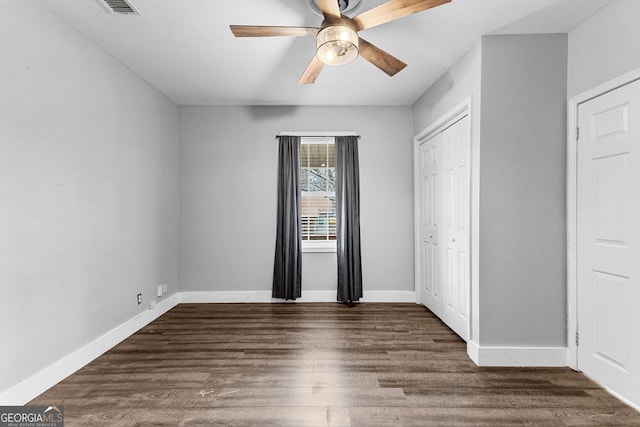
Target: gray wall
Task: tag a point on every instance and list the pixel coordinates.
(228, 162)
(460, 82)
(604, 47)
(88, 189)
(522, 191)
(517, 85)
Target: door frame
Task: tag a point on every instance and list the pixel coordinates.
(572, 204)
(449, 118)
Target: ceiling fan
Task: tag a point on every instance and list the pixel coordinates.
(337, 40)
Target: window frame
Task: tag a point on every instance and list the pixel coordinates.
(317, 245)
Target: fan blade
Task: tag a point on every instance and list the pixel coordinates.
(267, 31)
(330, 9)
(311, 73)
(381, 59)
(392, 10)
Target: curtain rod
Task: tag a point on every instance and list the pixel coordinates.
(317, 135)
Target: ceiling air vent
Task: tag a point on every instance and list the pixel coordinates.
(119, 7)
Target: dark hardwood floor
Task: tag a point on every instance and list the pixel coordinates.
(317, 365)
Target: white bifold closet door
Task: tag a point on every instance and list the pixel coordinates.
(608, 245)
(444, 234)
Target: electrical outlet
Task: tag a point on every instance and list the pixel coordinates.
(165, 288)
(159, 290)
(152, 304)
(139, 298)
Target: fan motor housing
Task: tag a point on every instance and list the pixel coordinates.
(347, 7)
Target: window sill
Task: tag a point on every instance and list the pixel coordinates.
(319, 248)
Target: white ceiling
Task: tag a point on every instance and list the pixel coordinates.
(185, 48)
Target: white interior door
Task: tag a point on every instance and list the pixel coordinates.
(430, 190)
(444, 232)
(608, 240)
(455, 227)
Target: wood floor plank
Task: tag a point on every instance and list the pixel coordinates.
(425, 417)
(318, 365)
(250, 397)
(487, 379)
(223, 417)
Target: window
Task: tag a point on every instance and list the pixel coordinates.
(318, 195)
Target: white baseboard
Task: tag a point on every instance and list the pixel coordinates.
(389, 296)
(225, 296)
(318, 296)
(307, 296)
(27, 390)
(472, 351)
(517, 356)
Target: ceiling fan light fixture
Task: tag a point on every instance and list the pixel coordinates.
(337, 45)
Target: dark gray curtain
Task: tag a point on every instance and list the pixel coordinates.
(348, 220)
(287, 269)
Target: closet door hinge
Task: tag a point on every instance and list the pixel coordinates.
(577, 134)
(577, 338)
